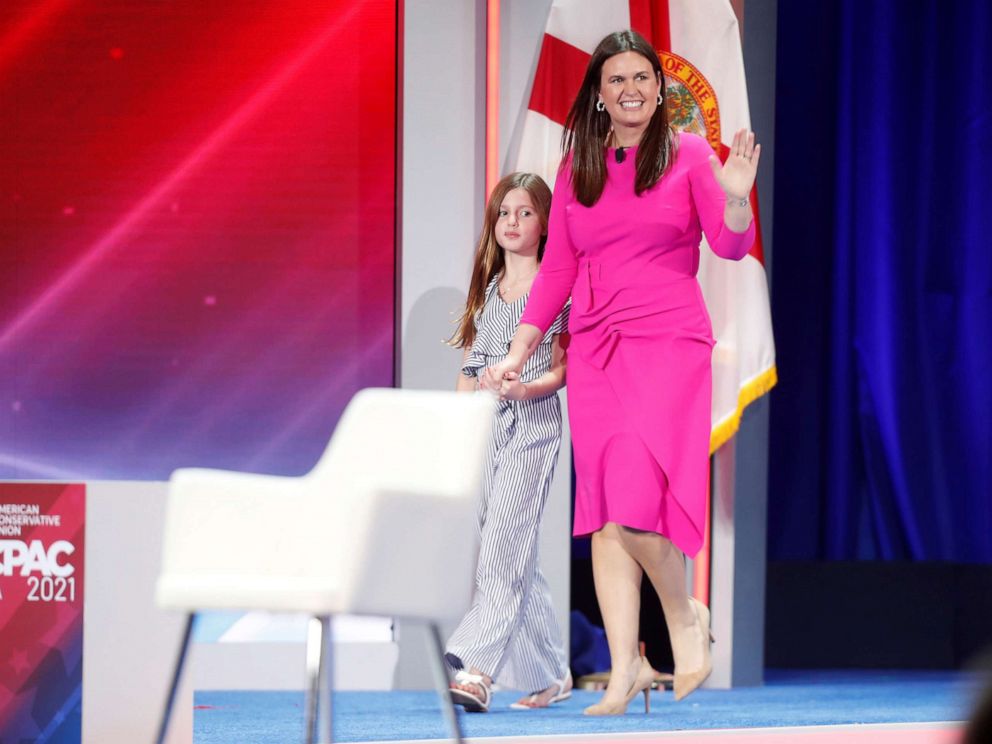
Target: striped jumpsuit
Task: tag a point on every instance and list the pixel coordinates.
(510, 632)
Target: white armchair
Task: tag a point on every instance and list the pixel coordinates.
(372, 530)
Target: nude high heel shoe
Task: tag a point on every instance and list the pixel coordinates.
(687, 682)
(642, 683)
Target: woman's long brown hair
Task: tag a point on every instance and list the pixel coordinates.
(586, 129)
(489, 259)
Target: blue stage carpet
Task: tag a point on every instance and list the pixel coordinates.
(788, 699)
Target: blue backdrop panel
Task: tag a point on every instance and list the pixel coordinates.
(882, 295)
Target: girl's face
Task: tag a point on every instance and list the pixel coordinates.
(518, 225)
(629, 88)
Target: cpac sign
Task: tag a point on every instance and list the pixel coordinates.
(34, 558)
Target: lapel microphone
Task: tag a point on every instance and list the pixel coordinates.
(620, 154)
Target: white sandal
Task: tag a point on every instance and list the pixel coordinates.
(562, 694)
(471, 703)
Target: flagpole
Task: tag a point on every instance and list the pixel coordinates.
(492, 95)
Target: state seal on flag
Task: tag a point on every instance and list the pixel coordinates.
(691, 100)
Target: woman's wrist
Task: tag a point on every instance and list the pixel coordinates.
(517, 354)
(736, 219)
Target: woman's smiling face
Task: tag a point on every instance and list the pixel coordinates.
(629, 88)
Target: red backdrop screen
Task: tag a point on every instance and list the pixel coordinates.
(197, 220)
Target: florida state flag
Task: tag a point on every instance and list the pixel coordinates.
(700, 48)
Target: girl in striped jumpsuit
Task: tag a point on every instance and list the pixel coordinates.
(510, 634)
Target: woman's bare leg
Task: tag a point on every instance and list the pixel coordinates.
(665, 566)
(617, 576)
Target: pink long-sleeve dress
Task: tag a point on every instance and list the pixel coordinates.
(639, 364)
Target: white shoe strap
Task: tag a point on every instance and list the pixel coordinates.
(466, 678)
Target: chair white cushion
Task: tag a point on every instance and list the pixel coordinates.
(384, 524)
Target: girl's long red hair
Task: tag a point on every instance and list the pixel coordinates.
(489, 259)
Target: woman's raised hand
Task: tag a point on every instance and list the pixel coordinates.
(736, 175)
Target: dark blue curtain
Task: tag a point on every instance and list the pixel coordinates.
(882, 282)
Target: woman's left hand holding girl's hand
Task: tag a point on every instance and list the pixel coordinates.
(512, 388)
(736, 175)
(486, 384)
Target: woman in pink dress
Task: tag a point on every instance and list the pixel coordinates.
(631, 203)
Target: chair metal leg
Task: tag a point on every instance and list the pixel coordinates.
(170, 701)
(327, 675)
(318, 698)
(441, 682)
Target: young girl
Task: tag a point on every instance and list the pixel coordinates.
(510, 633)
